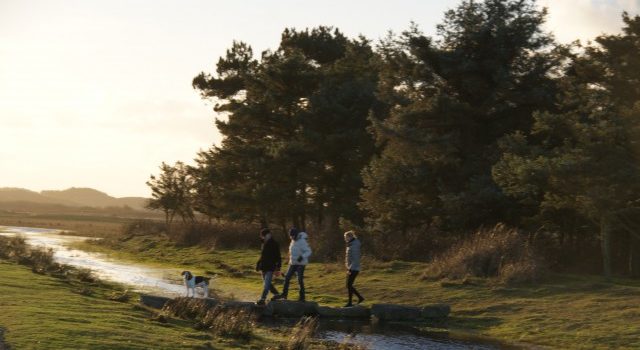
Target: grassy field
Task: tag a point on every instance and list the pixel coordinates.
(43, 312)
(92, 226)
(562, 311)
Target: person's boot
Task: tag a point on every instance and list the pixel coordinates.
(260, 302)
(279, 296)
(349, 304)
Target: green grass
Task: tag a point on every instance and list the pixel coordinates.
(562, 311)
(43, 312)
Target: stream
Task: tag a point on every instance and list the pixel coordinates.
(167, 282)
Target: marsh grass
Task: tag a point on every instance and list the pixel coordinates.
(230, 323)
(302, 334)
(499, 252)
(224, 322)
(214, 235)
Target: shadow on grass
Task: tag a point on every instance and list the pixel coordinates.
(470, 322)
(3, 346)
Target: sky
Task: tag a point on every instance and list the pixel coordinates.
(98, 93)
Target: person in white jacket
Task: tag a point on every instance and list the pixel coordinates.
(299, 253)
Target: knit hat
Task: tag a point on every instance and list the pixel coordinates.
(293, 232)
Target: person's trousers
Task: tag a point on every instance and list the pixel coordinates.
(299, 271)
(351, 278)
(267, 277)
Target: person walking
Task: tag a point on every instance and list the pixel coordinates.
(352, 263)
(299, 253)
(268, 264)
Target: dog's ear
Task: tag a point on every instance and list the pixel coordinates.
(183, 273)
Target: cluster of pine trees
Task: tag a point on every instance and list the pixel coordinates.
(417, 138)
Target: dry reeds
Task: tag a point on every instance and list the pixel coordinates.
(302, 333)
(225, 322)
(222, 235)
(500, 252)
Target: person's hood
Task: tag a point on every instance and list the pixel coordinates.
(302, 235)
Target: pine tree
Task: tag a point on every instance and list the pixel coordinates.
(295, 138)
(584, 158)
(448, 101)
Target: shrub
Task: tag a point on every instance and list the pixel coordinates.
(500, 252)
(40, 260)
(13, 248)
(84, 275)
(121, 297)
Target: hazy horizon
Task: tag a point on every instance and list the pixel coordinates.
(97, 94)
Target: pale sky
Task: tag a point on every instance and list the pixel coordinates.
(98, 93)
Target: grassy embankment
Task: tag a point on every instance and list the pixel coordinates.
(44, 312)
(61, 307)
(561, 311)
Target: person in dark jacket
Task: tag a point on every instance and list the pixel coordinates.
(269, 264)
(352, 263)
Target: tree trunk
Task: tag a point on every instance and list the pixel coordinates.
(263, 221)
(319, 216)
(605, 235)
(296, 222)
(634, 256)
(283, 224)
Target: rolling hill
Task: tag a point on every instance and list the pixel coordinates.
(72, 197)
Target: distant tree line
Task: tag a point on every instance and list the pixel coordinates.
(423, 139)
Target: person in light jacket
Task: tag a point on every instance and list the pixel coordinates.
(299, 253)
(352, 263)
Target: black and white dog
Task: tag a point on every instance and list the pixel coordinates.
(191, 282)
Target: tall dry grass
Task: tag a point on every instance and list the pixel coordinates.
(225, 322)
(302, 334)
(499, 252)
(221, 235)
